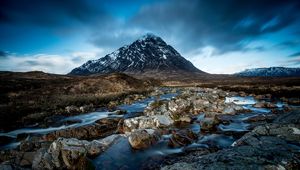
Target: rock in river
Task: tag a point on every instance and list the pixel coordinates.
(71, 153)
(101, 128)
(142, 139)
(182, 138)
(147, 122)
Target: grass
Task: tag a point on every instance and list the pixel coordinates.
(23, 94)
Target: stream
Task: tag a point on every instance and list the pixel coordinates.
(121, 156)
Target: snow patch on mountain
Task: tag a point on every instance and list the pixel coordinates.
(270, 72)
(149, 52)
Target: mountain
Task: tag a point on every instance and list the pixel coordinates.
(270, 72)
(147, 54)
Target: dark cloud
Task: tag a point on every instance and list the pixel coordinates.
(297, 54)
(288, 44)
(226, 24)
(3, 54)
(48, 12)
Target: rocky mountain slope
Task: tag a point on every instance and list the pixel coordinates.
(149, 53)
(270, 72)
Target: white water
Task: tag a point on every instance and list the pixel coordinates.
(84, 119)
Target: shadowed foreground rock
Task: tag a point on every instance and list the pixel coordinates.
(270, 146)
(71, 153)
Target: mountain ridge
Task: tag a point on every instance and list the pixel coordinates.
(270, 72)
(148, 53)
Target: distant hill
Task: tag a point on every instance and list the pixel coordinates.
(270, 72)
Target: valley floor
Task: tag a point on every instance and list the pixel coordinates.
(120, 122)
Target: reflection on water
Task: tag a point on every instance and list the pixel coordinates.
(218, 140)
(122, 156)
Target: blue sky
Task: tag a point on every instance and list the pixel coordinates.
(218, 36)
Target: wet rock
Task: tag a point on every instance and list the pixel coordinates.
(184, 119)
(4, 166)
(199, 105)
(261, 97)
(182, 138)
(260, 152)
(242, 94)
(262, 117)
(71, 153)
(181, 165)
(286, 132)
(142, 139)
(147, 122)
(209, 123)
(264, 105)
(101, 128)
(128, 100)
(120, 112)
(292, 117)
(33, 143)
(232, 108)
(179, 105)
(27, 159)
(159, 107)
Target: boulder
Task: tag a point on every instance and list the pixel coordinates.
(292, 117)
(4, 166)
(182, 138)
(264, 105)
(147, 122)
(287, 132)
(209, 123)
(257, 152)
(179, 105)
(142, 139)
(71, 153)
(262, 117)
(27, 159)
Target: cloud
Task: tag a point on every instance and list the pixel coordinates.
(297, 54)
(197, 28)
(48, 12)
(224, 25)
(3, 53)
(294, 62)
(44, 62)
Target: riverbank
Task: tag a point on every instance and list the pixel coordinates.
(29, 98)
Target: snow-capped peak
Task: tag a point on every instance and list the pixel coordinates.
(149, 52)
(148, 36)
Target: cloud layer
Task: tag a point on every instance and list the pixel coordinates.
(198, 29)
(44, 62)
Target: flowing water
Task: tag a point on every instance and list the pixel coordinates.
(122, 156)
